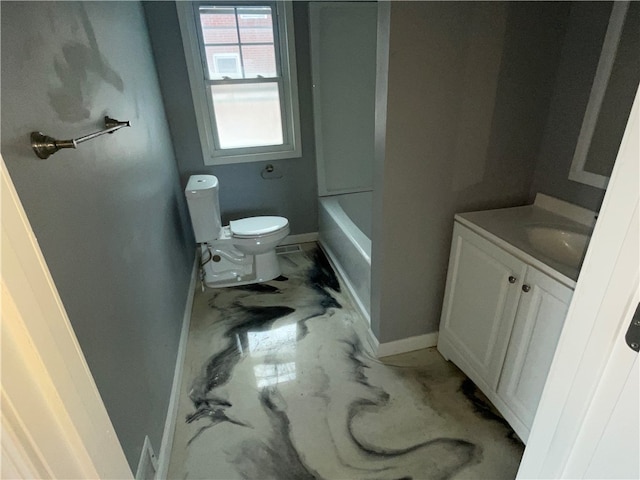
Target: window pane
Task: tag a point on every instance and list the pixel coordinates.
(259, 60)
(218, 25)
(247, 115)
(224, 61)
(256, 25)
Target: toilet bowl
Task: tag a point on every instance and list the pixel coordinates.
(238, 254)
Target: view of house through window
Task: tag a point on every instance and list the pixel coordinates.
(243, 74)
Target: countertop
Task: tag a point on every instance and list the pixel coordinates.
(507, 226)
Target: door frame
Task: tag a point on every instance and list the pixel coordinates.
(607, 284)
(54, 423)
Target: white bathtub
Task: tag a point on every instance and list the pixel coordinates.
(344, 232)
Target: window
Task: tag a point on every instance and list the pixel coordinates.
(241, 63)
(226, 64)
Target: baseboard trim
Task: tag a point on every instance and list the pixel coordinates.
(300, 238)
(172, 410)
(148, 464)
(374, 344)
(407, 344)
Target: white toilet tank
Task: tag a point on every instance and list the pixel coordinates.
(204, 209)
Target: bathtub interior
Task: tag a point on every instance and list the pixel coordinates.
(357, 206)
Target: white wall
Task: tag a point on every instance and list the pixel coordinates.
(110, 216)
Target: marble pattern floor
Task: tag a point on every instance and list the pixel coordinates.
(279, 383)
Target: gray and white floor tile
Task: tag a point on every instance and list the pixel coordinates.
(279, 383)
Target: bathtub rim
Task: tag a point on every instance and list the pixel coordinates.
(352, 231)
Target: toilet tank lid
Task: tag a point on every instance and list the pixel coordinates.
(257, 225)
(199, 184)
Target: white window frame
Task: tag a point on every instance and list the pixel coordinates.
(188, 16)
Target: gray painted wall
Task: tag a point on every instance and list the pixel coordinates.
(469, 86)
(243, 192)
(109, 216)
(581, 51)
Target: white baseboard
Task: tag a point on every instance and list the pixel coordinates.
(374, 344)
(300, 238)
(407, 344)
(148, 464)
(172, 411)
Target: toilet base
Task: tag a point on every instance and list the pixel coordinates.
(234, 268)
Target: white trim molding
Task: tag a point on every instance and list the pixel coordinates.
(148, 463)
(58, 424)
(577, 173)
(203, 100)
(407, 344)
(172, 411)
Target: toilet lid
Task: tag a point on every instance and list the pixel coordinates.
(252, 226)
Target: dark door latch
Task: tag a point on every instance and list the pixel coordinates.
(633, 333)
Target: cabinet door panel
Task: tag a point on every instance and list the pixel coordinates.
(480, 305)
(534, 338)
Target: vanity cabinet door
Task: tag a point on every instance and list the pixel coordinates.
(481, 298)
(541, 313)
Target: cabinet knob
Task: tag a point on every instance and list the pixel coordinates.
(526, 288)
(512, 279)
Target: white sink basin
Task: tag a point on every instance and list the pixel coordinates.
(558, 243)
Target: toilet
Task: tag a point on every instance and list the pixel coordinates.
(241, 253)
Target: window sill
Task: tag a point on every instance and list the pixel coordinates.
(251, 157)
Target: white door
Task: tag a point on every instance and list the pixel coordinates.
(609, 443)
(481, 298)
(54, 424)
(539, 320)
(587, 421)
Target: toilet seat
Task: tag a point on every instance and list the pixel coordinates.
(252, 227)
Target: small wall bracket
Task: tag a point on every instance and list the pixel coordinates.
(44, 146)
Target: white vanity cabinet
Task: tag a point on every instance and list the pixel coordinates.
(534, 337)
(500, 324)
(481, 299)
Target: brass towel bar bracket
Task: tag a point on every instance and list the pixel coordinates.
(44, 146)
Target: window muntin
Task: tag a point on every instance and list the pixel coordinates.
(247, 33)
(247, 72)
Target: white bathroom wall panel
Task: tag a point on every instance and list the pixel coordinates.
(343, 56)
